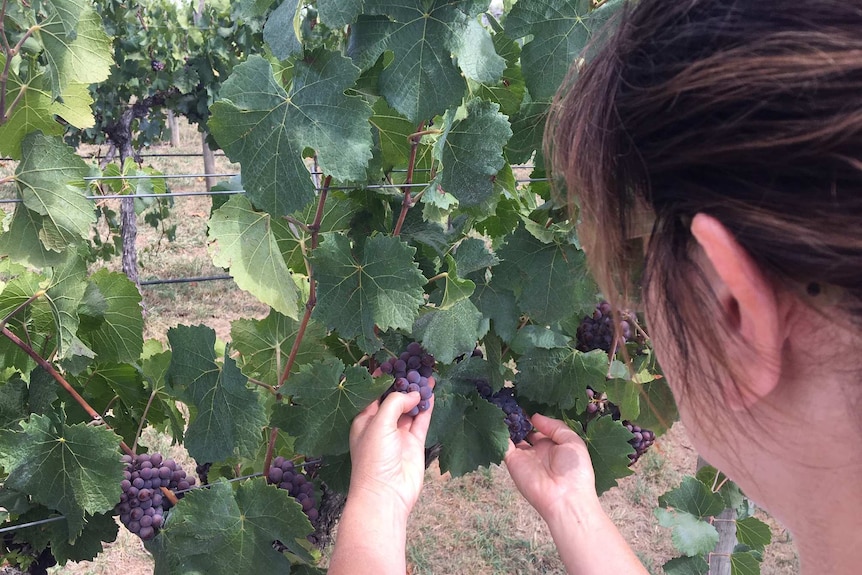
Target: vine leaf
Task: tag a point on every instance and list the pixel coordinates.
(744, 563)
(560, 376)
(422, 80)
(608, 443)
(693, 497)
(67, 288)
(471, 150)
(753, 532)
(113, 322)
(13, 402)
(528, 131)
(509, 92)
(561, 29)
(68, 546)
(448, 333)
(455, 288)
(545, 278)
(243, 240)
(696, 565)
(84, 56)
(74, 469)
(498, 305)
(280, 31)
(690, 535)
(36, 110)
(471, 430)
(382, 287)
(50, 180)
(267, 129)
(221, 531)
(327, 397)
(229, 415)
(473, 255)
(264, 345)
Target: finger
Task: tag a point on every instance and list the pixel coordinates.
(420, 424)
(555, 429)
(377, 372)
(396, 405)
(364, 417)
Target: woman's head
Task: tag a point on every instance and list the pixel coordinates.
(749, 113)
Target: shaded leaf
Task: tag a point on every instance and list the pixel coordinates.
(448, 333)
(560, 376)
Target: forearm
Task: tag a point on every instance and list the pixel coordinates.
(371, 539)
(579, 531)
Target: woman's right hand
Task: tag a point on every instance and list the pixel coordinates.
(555, 472)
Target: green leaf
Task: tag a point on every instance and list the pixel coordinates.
(229, 415)
(267, 129)
(68, 546)
(686, 566)
(423, 80)
(560, 376)
(693, 497)
(690, 535)
(624, 394)
(280, 30)
(744, 563)
(729, 491)
(23, 243)
(264, 345)
(531, 336)
(326, 398)
(608, 443)
(50, 180)
(221, 531)
(560, 30)
(471, 151)
(550, 281)
(382, 287)
(509, 92)
(448, 333)
(393, 129)
(13, 402)
(455, 288)
(471, 430)
(116, 335)
(498, 305)
(658, 409)
(753, 532)
(66, 290)
(245, 243)
(74, 469)
(473, 255)
(83, 57)
(528, 130)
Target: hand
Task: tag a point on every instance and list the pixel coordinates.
(387, 449)
(554, 470)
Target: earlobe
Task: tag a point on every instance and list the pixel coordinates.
(751, 313)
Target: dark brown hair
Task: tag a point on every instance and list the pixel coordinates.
(747, 110)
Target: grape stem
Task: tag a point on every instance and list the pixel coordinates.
(267, 461)
(144, 419)
(407, 202)
(12, 314)
(62, 381)
(312, 283)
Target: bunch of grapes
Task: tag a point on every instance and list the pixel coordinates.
(412, 371)
(157, 65)
(286, 475)
(598, 331)
(516, 419)
(142, 504)
(642, 440)
(597, 401)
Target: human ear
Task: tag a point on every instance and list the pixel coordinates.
(750, 307)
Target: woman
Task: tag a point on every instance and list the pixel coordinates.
(714, 150)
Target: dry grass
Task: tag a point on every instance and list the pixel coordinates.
(469, 525)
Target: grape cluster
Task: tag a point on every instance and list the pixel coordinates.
(157, 65)
(642, 440)
(203, 472)
(516, 419)
(597, 401)
(412, 371)
(286, 475)
(142, 504)
(598, 331)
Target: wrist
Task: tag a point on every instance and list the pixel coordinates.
(573, 518)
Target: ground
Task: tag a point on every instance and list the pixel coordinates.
(473, 524)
